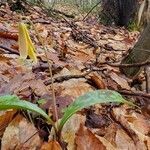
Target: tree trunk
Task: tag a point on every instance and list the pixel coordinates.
(140, 53)
(121, 12)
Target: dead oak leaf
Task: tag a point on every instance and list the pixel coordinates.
(74, 87)
(86, 140)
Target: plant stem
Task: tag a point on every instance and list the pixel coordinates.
(55, 113)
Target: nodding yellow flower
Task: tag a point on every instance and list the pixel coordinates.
(26, 47)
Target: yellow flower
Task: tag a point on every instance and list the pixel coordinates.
(26, 47)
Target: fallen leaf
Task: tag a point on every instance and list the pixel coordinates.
(51, 145)
(121, 81)
(123, 141)
(98, 81)
(20, 134)
(118, 138)
(5, 118)
(70, 129)
(136, 124)
(86, 140)
(74, 87)
(106, 143)
(23, 83)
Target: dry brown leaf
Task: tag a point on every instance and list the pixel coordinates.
(9, 67)
(74, 87)
(106, 143)
(42, 32)
(123, 141)
(61, 103)
(51, 145)
(111, 133)
(71, 128)
(68, 70)
(52, 56)
(98, 81)
(86, 140)
(118, 45)
(20, 134)
(136, 124)
(23, 83)
(121, 81)
(96, 120)
(118, 138)
(5, 118)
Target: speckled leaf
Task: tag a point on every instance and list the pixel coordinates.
(89, 99)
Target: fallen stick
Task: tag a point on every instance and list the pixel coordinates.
(142, 94)
(11, 51)
(146, 63)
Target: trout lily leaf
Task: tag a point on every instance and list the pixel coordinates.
(26, 47)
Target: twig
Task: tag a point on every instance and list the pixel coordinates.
(11, 51)
(134, 93)
(147, 77)
(67, 77)
(146, 63)
(30, 137)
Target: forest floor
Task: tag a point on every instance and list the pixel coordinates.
(85, 56)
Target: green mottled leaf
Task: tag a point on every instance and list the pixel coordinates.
(89, 99)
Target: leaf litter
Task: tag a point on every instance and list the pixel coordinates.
(73, 50)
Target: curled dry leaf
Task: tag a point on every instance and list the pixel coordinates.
(86, 140)
(98, 81)
(20, 134)
(51, 145)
